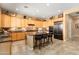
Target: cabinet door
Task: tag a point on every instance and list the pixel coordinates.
(13, 22)
(38, 23)
(24, 23)
(20, 36)
(18, 22)
(13, 36)
(6, 21)
(30, 21)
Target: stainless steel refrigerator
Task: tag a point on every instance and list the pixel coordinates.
(58, 30)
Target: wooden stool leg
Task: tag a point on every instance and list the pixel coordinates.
(35, 44)
(39, 44)
(48, 39)
(51, 40)
(44, 42)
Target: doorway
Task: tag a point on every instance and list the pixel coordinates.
(72, 25)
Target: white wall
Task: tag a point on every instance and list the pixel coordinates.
(69, 26)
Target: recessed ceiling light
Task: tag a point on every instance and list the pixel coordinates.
(17, 9)
(59, 11)
(48, 4)
(37, 10)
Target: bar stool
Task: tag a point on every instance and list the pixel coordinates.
(38, 38)
(50, 37)
(44, 37)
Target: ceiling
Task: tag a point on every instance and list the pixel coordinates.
(40, 10)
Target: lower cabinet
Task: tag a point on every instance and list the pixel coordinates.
(20, 35)
(5, 20)
(13, 36)
(17, 36)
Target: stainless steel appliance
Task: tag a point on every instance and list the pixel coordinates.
(58, 30)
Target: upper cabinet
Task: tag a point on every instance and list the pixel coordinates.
(58, 19)
(6, 21)
(18, 22)
(38, 23)
(24, 23)
(48, 23)
(30, 21)
(13, 21)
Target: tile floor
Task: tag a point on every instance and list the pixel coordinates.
(59, 47)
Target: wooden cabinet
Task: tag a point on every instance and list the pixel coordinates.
(13, 21)
(58, 19)
(38, 23)
(30, 21)
(13, 36)
(20, 35)
(16, 22)
(24, 23)
(48, 23)
(6, 21)
(17, 36)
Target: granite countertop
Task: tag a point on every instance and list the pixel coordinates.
(30, 33)
(25, 31)
(16, 31)
(35, 33)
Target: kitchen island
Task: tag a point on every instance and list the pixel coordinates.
(17, 35)
(31, 38)
(28, 36)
